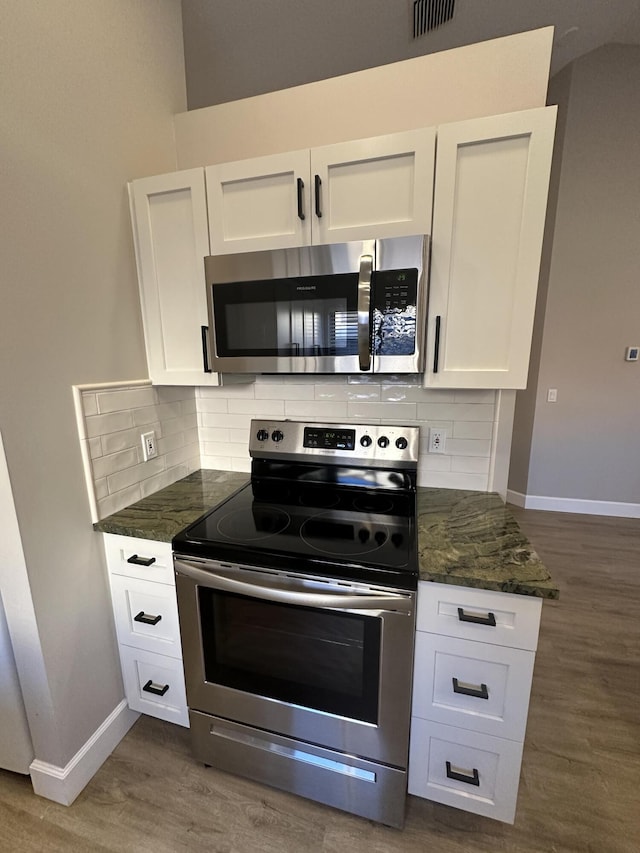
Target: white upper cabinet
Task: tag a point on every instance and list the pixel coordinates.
(171, 235)
(491, 184)
(368, 188)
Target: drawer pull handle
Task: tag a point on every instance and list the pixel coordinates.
(150, 687)
(141, 561)
(479, 692)
(489, 619)
(150, 620)
(473, 779)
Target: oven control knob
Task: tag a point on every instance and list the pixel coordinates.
(401, 443)
(365, 441)
(383, 441)
(277, 435)
(262, 435)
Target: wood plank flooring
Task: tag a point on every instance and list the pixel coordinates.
(580, 774)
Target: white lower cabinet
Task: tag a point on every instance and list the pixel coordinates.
(145, 611)
(474, 658)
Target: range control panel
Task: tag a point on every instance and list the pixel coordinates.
(360, 444)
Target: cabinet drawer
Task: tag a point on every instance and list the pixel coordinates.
(152, 560)
(154, 685)
(472, 685)
(146, 615)
(499, 618)
(466, 770)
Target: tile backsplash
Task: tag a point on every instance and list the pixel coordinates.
(467, 417)
(111, 420)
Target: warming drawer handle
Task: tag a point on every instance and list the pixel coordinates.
(478, 692)
(141, 561)
(146, 619)
(375, 601)
(489, 619)
(318, 197)
(472, 778)
(301, 215)
(364, 311)
(156, 689)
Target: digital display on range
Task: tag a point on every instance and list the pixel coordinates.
(329, 439)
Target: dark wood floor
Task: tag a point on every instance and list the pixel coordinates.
(580, 774)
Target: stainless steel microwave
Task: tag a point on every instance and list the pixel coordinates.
(342, 308)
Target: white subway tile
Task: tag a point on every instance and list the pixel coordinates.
(414, 394)
(104, 424)
(398, 411)
(181, 455)
(219, 434)
(121, 440)
(163, 479)
(238, 436)
(188, 407)
(104, 466)
(473, 429)
(174, 425)
(170, 442)
(212, 404)
(286, 391)
(239, 392)
(389, 378)
(467, 447)
(342, 392)
(217, 448)
(473, 396)
(455, 412)
(95, 447)
(174, 393)
(191, 435)
(216, 463)
(224, 420)
(118, 500)
(89, 403)
(470, 464)
(241, 465)
(326, 410)
(452, 480)
(130, 476)
(257, 408)
(125, 399)
(101, 488)
(434, 462)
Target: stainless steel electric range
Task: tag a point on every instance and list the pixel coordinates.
(296, 599)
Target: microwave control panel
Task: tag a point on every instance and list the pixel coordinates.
(395, 290)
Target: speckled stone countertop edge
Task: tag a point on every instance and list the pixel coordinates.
(465, 538)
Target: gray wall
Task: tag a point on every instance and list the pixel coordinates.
(88, 94)
(587, 445)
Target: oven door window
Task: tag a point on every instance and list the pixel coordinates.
(319, 659)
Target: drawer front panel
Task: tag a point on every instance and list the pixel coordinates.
(139, 558)
(479, 614)
(475, 686)
(477, 773)
(146, 615)
(154, 685)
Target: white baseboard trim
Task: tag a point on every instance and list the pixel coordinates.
(63, 784)
(618, 509)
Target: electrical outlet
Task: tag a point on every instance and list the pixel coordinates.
(552, 395)
(437, 440)
(149, 446)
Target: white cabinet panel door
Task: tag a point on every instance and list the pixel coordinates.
(369, 188)
(491, 184)
(171, 234)
(261, 203)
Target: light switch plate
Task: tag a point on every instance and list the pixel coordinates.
(632, 353)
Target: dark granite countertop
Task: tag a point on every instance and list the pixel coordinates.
(465, 538)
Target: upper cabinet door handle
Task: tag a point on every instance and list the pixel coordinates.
(436, 346)
(300, 199)
(318, 198)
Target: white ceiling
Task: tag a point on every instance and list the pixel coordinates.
(238, 48)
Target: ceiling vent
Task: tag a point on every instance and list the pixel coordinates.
(430, 14)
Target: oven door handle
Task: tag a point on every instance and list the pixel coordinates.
(398, 603)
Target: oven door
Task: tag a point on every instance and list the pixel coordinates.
(325, 662)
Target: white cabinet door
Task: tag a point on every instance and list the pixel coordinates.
(369, 188)
(259, 204)
(171, 236)
(491, 184)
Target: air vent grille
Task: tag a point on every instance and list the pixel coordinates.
(430, 14)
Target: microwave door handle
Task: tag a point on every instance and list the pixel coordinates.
(364, 311)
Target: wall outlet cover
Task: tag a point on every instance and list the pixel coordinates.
(149, 446)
